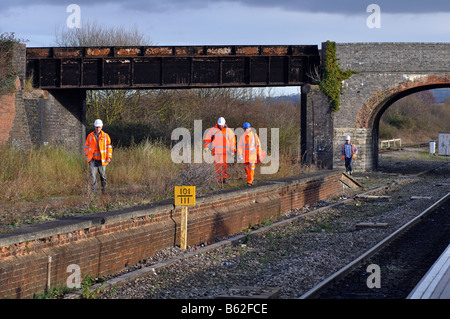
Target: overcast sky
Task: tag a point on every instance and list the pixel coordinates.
(202, 22)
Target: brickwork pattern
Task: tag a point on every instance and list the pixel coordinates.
(13, 126)
(319, 121)
(110, 242)
(41, 117)
(7, 115)
(387, 71)
(62, 119)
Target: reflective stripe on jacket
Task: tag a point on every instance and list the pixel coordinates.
(220, 141)
(100, 150)
(249, 147)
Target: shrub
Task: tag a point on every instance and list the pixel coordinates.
(333, 76)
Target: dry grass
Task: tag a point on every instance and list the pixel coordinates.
(146, 167)
(38, 173)
(49, 182)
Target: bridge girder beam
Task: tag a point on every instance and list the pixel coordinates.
(171, 67)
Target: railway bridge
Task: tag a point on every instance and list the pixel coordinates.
(53, 112)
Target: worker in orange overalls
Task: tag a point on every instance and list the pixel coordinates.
(222, 142)
(249, 151)
(98, 151)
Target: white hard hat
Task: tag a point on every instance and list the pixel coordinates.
(221, 121)
(98, 122)
(347, 138)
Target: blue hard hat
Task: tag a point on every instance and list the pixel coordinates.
(246, 124)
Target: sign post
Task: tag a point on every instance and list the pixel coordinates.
(183, 234)
(184, 197)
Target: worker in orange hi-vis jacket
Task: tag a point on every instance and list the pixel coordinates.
(249, 151)
(98, 151)
(222, 142)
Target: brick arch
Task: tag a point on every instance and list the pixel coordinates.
(370, 110)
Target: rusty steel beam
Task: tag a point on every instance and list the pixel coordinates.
(171, 66)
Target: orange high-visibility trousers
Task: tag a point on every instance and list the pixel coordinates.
(249, 149)
(250, 171)
(220, 164)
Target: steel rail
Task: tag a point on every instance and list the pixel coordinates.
(316, 290)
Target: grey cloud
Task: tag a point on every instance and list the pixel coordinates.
(322, 6)
(153, 5)
(354, 6)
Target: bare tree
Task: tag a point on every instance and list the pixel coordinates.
(92, 34)
(106, 104)
(109, 105)
(314, 75)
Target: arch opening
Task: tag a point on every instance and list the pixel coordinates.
(381, 109)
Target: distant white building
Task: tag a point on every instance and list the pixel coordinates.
(444, 144)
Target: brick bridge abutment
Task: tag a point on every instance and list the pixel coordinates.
(35, 117)
(386, 73)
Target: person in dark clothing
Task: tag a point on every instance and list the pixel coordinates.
(348, 152)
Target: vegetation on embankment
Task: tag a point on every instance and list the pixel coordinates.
(416, 118)
(7, 72)
(333, 75)
(50, 182)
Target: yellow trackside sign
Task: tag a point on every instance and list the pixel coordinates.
(184, 195)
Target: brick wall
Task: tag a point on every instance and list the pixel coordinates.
(62, 119)
(105, 243)
(39, 117)
(13, 127)
(319, 130)
(7, 115)
(387, 71)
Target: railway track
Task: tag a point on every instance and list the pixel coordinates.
(393, 267)
(300, 250)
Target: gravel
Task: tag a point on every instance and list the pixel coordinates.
(402, 263)
(293, 255)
